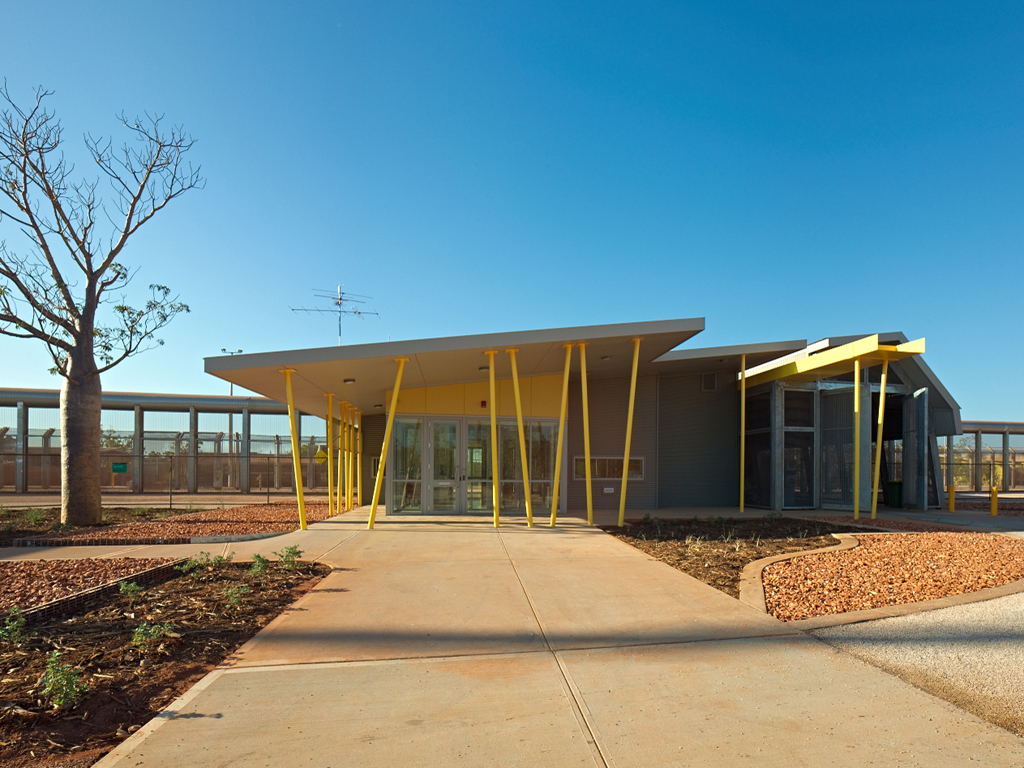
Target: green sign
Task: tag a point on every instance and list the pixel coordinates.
(119, 469)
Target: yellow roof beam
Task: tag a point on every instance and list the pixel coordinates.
(835, 362)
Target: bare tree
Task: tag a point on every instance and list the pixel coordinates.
(54, 288)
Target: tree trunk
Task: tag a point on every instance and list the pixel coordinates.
(80, 408)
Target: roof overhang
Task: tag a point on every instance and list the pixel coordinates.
(453, 360)
(834, 362)
(724, 359)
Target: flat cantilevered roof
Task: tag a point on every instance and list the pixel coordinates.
(451, 360)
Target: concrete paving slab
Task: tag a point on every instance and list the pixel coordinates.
(404, 610)
(770, 702)
(495, 711)
(565, 542)
(393, 546)
(596, 602)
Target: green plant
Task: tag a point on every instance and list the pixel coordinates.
(258, 569)
(10, 528)
(13, 629)
(234, 594)
(60, 527)
(146, 634)
(131, 591)
(61, 683)
(203, 562)
(140, 511)
(34, 516)
(289, 557)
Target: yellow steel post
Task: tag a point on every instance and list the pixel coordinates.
(586, 433)
(296, 458)
(994, 501)
(494, 437)
(359, 459)
(856, 439)
(952, 497)
(522, 439)
(330, 454)
(351, 458)
(629, 432)
(561, 432)
(348, 454)
(342, 455)
(387, 438)
(879, 455)
(743, 430)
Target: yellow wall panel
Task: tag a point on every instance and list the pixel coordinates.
(540, 396)
(475, 393)
(448, 399)
(546, 396)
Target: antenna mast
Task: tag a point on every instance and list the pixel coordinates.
(344, 304)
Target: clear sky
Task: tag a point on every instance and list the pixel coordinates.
(786, 170)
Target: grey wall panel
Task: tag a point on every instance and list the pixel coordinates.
(698, 445)
(609, 404)
(373, 439)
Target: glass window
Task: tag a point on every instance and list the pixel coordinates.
(758, 475)
(799, 469)
(607, 468)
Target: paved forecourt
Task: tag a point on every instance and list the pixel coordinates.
(439, 641)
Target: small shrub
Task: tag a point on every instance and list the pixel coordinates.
(131, 591)
(62, 685)
(146, 634)
(203, 562)
(140, 511)
(60, 527)
(289, 557)
(13, 629)
(233, 595)
(258, 569)
(34, 516)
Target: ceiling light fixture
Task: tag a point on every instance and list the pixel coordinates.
(484, 368)
(350, 381)
(606, 357)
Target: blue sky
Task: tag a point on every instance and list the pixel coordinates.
(786, 170)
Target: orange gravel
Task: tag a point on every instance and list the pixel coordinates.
(254, 518)
(891, 569)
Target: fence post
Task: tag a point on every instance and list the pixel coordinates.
(138, 449)
(245, 454)
(21, 451)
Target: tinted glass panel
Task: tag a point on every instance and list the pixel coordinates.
(799, 408)
(759, 411)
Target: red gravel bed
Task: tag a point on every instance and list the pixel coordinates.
(899, 525)
(27, 583)
(234, 521)
(891, 569)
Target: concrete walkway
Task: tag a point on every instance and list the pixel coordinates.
(442, 641)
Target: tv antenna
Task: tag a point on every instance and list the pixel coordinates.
(344, 304)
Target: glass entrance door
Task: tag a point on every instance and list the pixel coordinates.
(443, 470)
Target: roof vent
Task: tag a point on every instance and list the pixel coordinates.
(708, 382)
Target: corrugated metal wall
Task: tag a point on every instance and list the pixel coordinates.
(698, 443)
(609, 403)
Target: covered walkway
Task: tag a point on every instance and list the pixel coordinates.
(443, 640)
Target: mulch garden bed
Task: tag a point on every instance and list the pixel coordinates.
(891, 569)
(181, 528)
(135, 655)
(32, 523)
(29, 583)
(715, 550)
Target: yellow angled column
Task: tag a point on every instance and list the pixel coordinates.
(359, 458)
(522, 439)
(495, 492)
(586, 433)
(342, 449)
(856, 439)
(350, 476)
(629, 432)
(743, 430)
(387, 439)
(296, 458)
(561, 432)
(879, 453)
(330, 454)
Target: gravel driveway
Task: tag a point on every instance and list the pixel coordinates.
(971, 655)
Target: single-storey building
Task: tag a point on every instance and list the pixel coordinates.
(624, 416)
